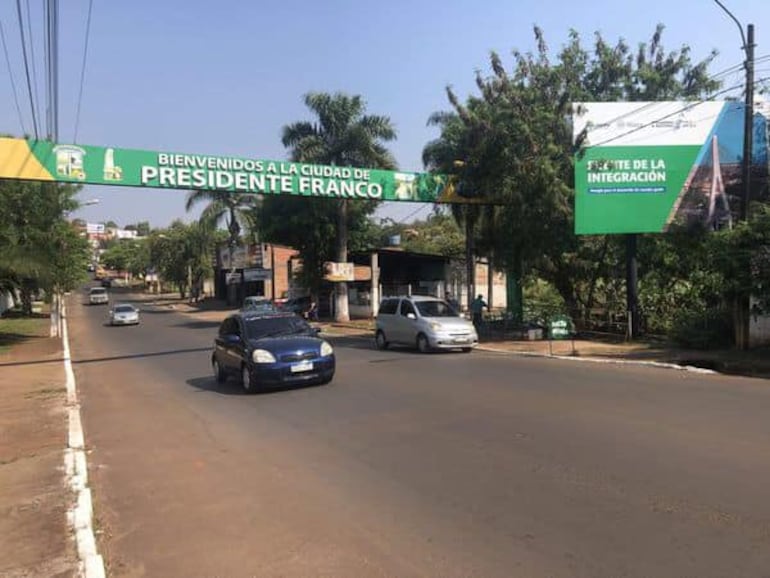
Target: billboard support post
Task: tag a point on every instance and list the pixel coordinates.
(632, 289)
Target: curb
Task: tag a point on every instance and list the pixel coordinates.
(605, 360)
(356, 331)
(80, 517)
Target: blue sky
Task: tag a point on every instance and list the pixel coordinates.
(223, 78)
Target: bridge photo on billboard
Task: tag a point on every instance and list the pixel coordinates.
(650, 167)
(26, 159)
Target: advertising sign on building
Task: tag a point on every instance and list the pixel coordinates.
(255, 274)
(648, 167)
(337, 272)
(45, 161)
(95, 228)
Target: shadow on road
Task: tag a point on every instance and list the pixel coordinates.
(199, 324)
(233, 387)
(141, 355)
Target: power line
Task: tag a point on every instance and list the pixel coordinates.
(725, 72)
(83, 70)
(413, 213)
(32, 55)
(13, 82)
(26, 69)
(52, 67)
(674, 113)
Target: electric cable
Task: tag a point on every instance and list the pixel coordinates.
(26, 69)
(32, 56)
(83, 70)
(13, 82)
(685, 108)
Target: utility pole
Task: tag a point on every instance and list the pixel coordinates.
(742, 302)
(748, 124)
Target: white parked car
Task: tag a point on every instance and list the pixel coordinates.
(124, 314)
(423, 322)
(98, 296)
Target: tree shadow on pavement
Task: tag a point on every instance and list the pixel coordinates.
(199, 324)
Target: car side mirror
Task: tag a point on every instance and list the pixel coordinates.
(411, 316)
(317, 330)
(232, 338)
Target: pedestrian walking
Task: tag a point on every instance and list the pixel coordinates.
(477, 306)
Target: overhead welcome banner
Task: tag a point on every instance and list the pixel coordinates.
(646, 167)
(47, 161)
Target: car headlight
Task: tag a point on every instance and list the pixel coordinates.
(326, 349)
(262, 356)
(435, 325)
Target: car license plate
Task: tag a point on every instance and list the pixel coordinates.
(461, 340)
(302, 366)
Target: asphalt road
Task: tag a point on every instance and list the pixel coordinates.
(417, 465)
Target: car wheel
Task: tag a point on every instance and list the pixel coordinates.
(219, 373)
(423, 345)
(380, 340)
(246, 381)
(467, 349)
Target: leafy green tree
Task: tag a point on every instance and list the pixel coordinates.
(234, 209)
(515, 143)
(182, 254)
(39, 248)
(439, 234)
(128, 255)
(342, 135)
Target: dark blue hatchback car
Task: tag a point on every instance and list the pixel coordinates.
(271, 350)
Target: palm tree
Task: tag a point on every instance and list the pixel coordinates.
(232, 208)
(342, 135)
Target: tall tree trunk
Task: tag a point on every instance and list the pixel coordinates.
(341, 310)
(26, 297)
(470, 265)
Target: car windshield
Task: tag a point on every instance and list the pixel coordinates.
(124, 309)
(259, 327)
(435, 309)
(259, 305)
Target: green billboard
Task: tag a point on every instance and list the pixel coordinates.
(47, 161)
(645, 167)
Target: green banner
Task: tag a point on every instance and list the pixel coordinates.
(651, 167)
(46, 161)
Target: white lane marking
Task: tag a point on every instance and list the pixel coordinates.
(76, 470)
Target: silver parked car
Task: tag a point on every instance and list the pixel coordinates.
(423, 322)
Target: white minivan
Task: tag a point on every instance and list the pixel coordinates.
(98, 296)
(423, 322)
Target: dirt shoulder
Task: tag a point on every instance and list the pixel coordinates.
(35, 539)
